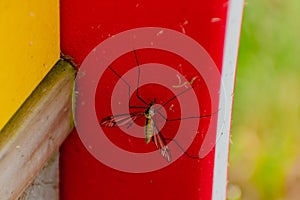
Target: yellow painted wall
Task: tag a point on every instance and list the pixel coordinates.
(29, 47)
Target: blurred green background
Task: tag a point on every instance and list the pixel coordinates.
(265, 149)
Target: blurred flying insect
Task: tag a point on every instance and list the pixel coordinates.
(152, 133)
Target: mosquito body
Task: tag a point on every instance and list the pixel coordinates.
(149, 124)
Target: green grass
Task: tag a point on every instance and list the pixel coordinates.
(266, 115)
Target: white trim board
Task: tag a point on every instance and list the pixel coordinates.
(232, 35)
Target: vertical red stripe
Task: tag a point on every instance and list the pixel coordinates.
(84, 24)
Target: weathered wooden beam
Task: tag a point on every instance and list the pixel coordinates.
(45, 184)
(36, 131)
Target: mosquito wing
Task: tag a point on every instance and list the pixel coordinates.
(161, 144)
(121, 119)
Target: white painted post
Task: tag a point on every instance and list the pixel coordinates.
(232, 35)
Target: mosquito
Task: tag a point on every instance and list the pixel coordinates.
(151, 131)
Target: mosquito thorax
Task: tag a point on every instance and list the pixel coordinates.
(151, 111)
(157, 112)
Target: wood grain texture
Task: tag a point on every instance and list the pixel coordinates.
(36, 131)
(45, 185)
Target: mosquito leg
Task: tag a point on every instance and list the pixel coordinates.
(161, 115)
(177, 95)
(129, 88)
(172, 98)
(164, 139)
(193, 117)
(138, 79)
(182, 149)
(176, 119)
(183, 118)
(124, 81)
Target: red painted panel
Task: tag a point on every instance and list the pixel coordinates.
(83, 26)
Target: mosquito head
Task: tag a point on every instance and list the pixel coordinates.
(153, 102)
